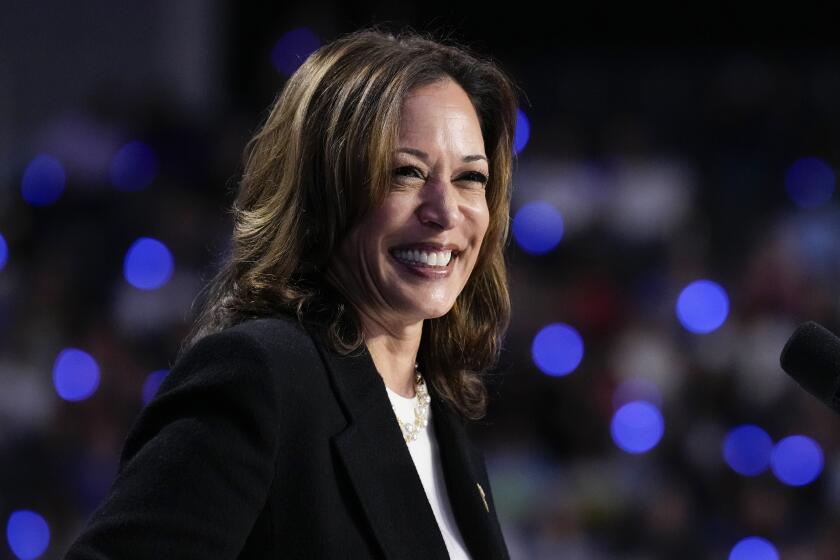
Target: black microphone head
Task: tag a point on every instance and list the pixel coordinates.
(812, 357)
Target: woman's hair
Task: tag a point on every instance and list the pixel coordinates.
(322, 160)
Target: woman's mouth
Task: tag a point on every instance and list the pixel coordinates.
(426, 263)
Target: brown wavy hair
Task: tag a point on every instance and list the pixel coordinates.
(322, 159)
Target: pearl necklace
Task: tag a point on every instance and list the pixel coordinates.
(421, 411)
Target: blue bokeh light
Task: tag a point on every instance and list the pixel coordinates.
(797, 460)
(293, 48)
(152, 383)
(134, 167)
(557, 349)
(43, 181)
(753, 548)
(148, 264)
(747, 450)
(522, 133)
(702, 306)
(4, 252)
(637, 427)
(809, 182)
(28, 534)
(538, 227)
(75, 374)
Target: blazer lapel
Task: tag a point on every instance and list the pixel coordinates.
(378, 462)
(463, 469)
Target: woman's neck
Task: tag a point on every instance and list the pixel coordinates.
(394, 353)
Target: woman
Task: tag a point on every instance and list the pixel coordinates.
(317, 408)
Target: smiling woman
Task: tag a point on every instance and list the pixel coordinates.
(366, 260)
(391, 265)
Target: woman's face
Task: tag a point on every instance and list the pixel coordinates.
(408, 259)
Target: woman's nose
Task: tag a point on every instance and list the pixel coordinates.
(439, 204)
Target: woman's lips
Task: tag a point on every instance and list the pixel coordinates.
(423, 270)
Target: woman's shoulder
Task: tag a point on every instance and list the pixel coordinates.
(280, 345)
(265, 328)
(278, 335)
(273, 357)
(279, 341)
(257, 359)
(265, 350)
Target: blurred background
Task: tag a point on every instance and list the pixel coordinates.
(675, 216)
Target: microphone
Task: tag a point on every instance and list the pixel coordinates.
(812, 357)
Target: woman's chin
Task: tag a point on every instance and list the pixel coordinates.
(427, 309)
(438, 314)
(435, 311)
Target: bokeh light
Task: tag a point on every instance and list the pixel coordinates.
(75, 374)
(637, 427)
(522, 133)
(809, 182)
(797, 460)
(150, 386)
(43, 181)
(293, 48)
(537, 227)
(747, 450)
(4, 252)
(28, 534)
(702, 306)
(557, 349)
(134, 167)
(753, 548)
(148, 264)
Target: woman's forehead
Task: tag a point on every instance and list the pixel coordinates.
(440, 120)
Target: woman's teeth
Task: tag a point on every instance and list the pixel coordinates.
(432, 258)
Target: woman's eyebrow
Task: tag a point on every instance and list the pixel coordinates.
(425, 157)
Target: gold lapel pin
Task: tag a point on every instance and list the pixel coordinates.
(483, 499)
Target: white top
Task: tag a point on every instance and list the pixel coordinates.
(426, 455)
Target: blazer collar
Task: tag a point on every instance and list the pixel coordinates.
(463, 468)
(383, 474)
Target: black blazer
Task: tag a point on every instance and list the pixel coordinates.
(263, 443)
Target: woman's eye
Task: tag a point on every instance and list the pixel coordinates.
(477, 177)
(408, 171)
